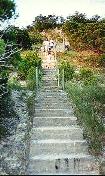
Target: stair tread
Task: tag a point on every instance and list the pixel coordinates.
(56, 135)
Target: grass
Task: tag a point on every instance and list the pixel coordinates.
(81, 59)
(85, 99)
(86, 89)
(31, 105)
(14, 84)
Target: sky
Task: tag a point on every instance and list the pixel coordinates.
(29, 9)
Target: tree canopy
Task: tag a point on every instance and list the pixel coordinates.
(18, 36)
(84, 33)
(7, 9)
(47, 22)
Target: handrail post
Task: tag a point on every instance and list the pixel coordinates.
(55, 54)
(37, 78)
(58, 77)
(63, 79)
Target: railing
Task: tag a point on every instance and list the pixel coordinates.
(3, 87)
(60, 78)
(38, 77)
(60, 73)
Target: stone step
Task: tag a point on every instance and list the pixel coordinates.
(50, 74)
(56, 164)
(52, 101)
(65, 173)
(56, 91)
(50, 83)
(51, 91)
(51, 105)
(49, 70)
(53, 112)
(72, 132)
(52, 95)
(54, 121)
(48, 79)
(49, 98)
(58, 146)
(50, 88)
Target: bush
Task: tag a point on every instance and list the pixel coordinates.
(91, 80)
(88, 77)
(14, 84)
(36, 37)
(15, 59)
(31, 85)
(102, 60)
(33, 58)
(31, 73)
(4, 74)
(68, 70)
(85, 99)
(2, 46)
(71, 53)
(85, 73)
(31, 78)
(23, 68)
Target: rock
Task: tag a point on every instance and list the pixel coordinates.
(102, 168)
(14, 149)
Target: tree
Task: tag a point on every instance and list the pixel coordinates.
(17, 36)
(45, 22)
(35, 36)
(94, 18)
(2, 46)
(7, 9)
(78, 17)
(84, 33)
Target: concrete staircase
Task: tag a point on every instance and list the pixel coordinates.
(57, 146)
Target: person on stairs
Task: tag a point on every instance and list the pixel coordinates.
(46, 45)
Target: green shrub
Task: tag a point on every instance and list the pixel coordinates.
(4, 74)
(91, 80)
(85, 73)
(31, 73)
(14, 84)
(33, 58)
(28, 59)
(102, 60)
(68, 70)
(85, 98)
(23, 68)
(15, 59)
(31, 78)
(31, 85)
(71, 53)
(36, 37)
(2, 46)
(87, 76)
